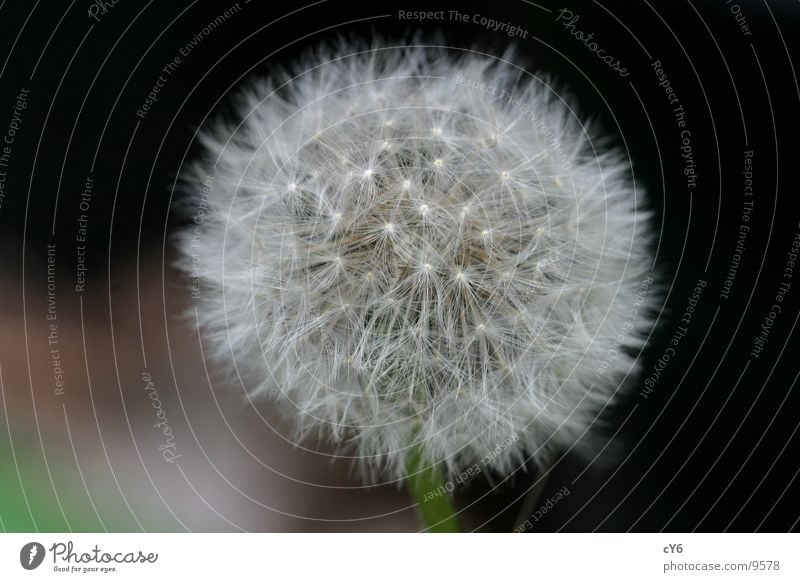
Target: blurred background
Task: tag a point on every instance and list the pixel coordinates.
(97, 360)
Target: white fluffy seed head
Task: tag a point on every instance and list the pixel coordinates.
(396, 257)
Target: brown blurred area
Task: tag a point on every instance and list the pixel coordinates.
(93, 454)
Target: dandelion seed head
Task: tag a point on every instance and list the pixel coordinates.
(473, 322)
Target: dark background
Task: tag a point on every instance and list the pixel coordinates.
(714, 447)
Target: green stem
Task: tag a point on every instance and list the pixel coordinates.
(428, 488)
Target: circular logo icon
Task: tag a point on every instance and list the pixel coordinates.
(31, 555)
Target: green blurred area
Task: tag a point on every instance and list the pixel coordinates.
(33, 500)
